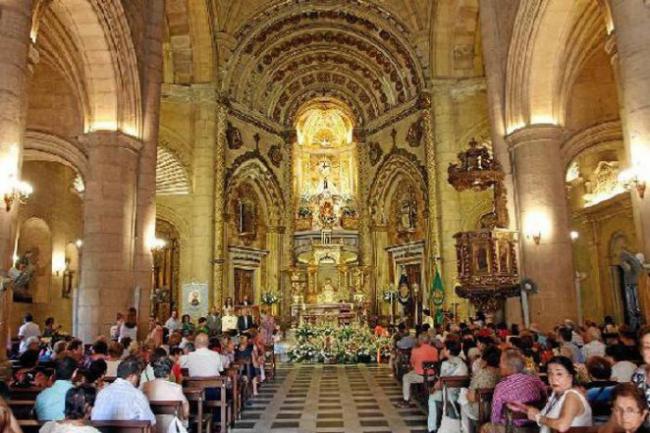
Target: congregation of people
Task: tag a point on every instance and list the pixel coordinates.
(118, 377)
(490, 378)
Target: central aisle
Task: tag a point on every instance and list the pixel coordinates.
(328, 399)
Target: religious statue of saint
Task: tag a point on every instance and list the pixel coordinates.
(408, 213)
(22, 274)
(328, 293)
(631, 269)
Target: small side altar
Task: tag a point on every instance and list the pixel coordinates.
(338, 345)
(325, 314)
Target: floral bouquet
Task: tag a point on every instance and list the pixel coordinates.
(270, 298)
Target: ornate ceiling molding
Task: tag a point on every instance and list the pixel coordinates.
(293, 52)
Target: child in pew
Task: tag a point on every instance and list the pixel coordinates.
(79, 402)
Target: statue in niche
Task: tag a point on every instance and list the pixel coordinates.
(23, 273)
(404, 298)
(245, 217)
(408, 212)
(328, 293)
(415, 133)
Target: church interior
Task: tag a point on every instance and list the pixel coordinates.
(325, 164)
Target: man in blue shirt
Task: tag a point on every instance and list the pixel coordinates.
(122, 400)
(50, 403)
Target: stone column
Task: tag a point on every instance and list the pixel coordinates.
(362, 194)
(632, 55)
(380, 264)
(146, 206)
(15, 25)
(219, 203)
(107, 279)
(494, 40)
(274, 258)
(445, 151)
(543, 209)
(204, 100)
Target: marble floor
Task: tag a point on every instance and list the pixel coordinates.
(328, 399)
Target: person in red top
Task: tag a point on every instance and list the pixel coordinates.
(421, 353)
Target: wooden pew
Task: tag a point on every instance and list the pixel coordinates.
(114, 426)
(166, 407)
(22, 409)
(593, 429)
(236, 387)
(29, 425)
(24, 393)
(223, 405)
(196, 398)
(484, 404)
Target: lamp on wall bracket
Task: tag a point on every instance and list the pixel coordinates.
(535, 236)
(157, 245)
(14, 190)
(631, 178)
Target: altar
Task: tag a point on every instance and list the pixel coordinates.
(331, 314)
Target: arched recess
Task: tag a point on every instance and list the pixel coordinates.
(34, 250)
(255, 173)
(171, 176)
(551, 40)
(399, 183)
(91, 42)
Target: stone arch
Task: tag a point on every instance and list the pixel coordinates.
(35, 240)
(397, 164)
(550, 42)
(105, 73)
(40, 146)
(255, 172)
(171, 176)
(603, 133)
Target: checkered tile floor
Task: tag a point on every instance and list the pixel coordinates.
(330, 399)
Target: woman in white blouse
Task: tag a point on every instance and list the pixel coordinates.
(566, 407)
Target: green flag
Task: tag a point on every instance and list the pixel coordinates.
(437, 295)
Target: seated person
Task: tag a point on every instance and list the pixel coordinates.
(94, 374)
(50, 403)
(566, 407)
(163, 389)
(486, 376)
(420, 354)
(122, 400)
(452, 365)
(203, 362)
(515, 385)
(630, 409)
(147, 373)
(115, 352)
(601, 387)
(246, 354)
(78, 404)
(622, 369)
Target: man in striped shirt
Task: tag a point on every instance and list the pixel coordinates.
(515, 385)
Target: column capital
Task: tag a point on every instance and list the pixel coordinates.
(111, 139)
(531, 134)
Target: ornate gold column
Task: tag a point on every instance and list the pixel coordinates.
(15, 24)
(219, 202)
(629, 46)
(433, 221)
(363, 160)
(286, 262)
(274, 258)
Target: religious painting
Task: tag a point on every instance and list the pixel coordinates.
(245, 217)
(195, 297)
(68, 275)
(415, 133)
(408, 211)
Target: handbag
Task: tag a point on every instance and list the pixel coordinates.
(176, 426)
(450, 422)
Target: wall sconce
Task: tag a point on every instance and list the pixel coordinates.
(79, 243)
(631, 178)
(536, 224)
(536, 237)
(574, 235)
(157, 244)
(14, 190)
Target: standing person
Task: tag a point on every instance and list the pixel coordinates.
(247, 356)
(228, 307)
(155, 335)
(115, 328)
(130, 326)
(173, 324)
(214, 321)
(51, 331)
(245, 321)
(566, 407)
(27, 330)
(79, 402)
(122, 400)
(267, 325)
